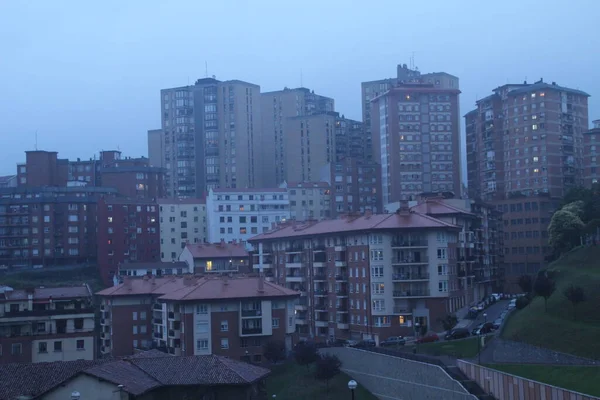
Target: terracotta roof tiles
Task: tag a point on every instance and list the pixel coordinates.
(217, 250)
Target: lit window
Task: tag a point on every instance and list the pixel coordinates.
(542, 94)
(536, 159)
(536, 170)
(534, 127)
(407, 97)
(401, 320)
(209, 265)
(109, 220)
(533, 95)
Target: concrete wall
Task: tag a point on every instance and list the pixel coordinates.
(506, 386)
(389, 377)
(91, 388)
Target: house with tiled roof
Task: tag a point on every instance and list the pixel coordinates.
(230, 315)
(219, 257)
(367, 276)
(141, 377)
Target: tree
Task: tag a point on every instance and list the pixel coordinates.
(328, 366)
(526, 283)
(522, 302)
(306, 354)
(565, 227)
(449, 321)
(274, 351)
(544, 286)
(575, 295)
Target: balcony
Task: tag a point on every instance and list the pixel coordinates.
(321, 324)
(171, 333)
(341, 309)
(321, 292)
(409, 261)
(301, 307)
(402, 311)
(295, 278)
(340, 248)
(341, 277)
(411, 277)
(294, 249)
(173, 315)
(340, 263)
(251, 331)
(251, 313)
(341, 293)
(319, 249)
(300, 321)
(407, 243)
(321, 307)
(52, 312)
(320, 277)
(157, 321)
(411, 293)
(294, 264)
(343, 325)
(157, 335)
(157, 306)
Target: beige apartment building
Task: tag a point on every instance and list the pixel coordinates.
(182, 221)
(46, 324)
(211, 134)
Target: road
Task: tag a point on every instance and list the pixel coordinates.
(493, 312)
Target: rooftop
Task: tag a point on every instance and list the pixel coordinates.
(174, 202)
(217, 250)
(138, 374)
(152, 265)
(44, 293)
(400, 220)
(247, 190)
(439, 207)
(540, 85)
(308, 185)
(195, 287)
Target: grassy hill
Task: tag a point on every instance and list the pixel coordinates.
(556, 329)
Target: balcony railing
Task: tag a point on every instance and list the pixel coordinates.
(402, 310)
(411, 293)
(251, 313)
(341, 277)
(42, 313)
(320, 277)
(341, 293)
(251, 331)
(410, 277)
(45, 332)
(410, 243)
(410, 260)
(157, 321)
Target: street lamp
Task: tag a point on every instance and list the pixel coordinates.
(417, 330)
(352, 386)
(75, 395)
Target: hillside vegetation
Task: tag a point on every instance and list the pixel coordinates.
(54, 277)
(556, 329)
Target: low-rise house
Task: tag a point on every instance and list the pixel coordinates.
(156, 268)
(216, 257)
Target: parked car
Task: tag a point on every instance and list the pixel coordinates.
(429, 338)
(457, 333)
(512, 304)
(393, 341)
(482, 329)
(497, 323)
(365, 344)
(340, 343)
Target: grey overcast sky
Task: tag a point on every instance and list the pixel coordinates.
(86, 75)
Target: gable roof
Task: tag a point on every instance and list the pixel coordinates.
(217, 250)
(137, 374)
(153, 265)
(439, 207)
(400, 220)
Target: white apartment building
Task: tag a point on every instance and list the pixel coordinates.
(308, 200)
(182, 221)
(239, 214)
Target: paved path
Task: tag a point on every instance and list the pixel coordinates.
(500, 351)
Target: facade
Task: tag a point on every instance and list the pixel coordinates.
(276, 108)
(308, 200)
(148, 375)
(151, 268)
(47, 324)
(135, 178)
(349, 139)
(372, 89)
(211, 132)
(416, 137)
(49, 225)
(355, 186)
(370, 276)
(156, 147)
(591, 155)
(194, 315)
(127, 231)
(182, 221)
(8, 181)
(524, 152)
(224, 258)
(237, 215)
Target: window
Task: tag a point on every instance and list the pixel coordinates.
(378, 288)
(41, 327)
(80, 344)
(143, 315)
(201, 309)
(78, 323)
(202, 344)
(443, 286)
(441, 254)
(224, 343)
(202, 327)
(224, 326)
(275, 322)
(58, 346)
(376, 272)
(135, 329)
(42, 347)
(135, 316)
(376, 255)
(442, 269)
(16, 349)
(378, 305)
(143, 329)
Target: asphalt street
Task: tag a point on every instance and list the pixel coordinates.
(493, 312)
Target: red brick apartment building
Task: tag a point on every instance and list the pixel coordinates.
(366, 276)
(197, 315)
(591, 155)
(46, 324)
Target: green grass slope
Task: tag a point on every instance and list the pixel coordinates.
(556, 328)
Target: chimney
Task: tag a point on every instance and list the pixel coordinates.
(153, 280)
(368, 213)
(222, 243)
(404, 209)
(261, 283)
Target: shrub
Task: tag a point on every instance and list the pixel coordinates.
(522, 302)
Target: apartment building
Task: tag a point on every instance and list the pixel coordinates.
(524, 152)
(416, 137)
(135, 178)
(156, 148)
(276, 107)
(151, 268)
(308, 200)
(127, 231)
(46, 324)
(370, 276)
(211, 133)
(8, 181)
(404, 74)
(591, 155)
(355, 186)
(182, 221)
(195, 315)
(238, 214)
(222, 257)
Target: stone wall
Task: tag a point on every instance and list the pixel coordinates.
(389, 377)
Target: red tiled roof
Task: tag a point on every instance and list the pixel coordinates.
(198, 288)
(409, 220)
(217, 250)
(248, 190)
(436, 207)
(181, 201)
(57, 293)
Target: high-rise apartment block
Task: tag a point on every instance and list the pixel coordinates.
(416, 136)
(182, 221)
(370, 276)
(591, 155)
(524, 152)
(46, 324)
(238, 214)
(211, 132)
(194, 315)
(308, 200)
